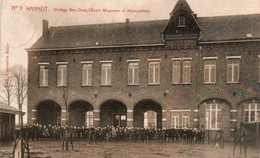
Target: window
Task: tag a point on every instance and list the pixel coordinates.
(133, 73)
(185, 120)
(154, 73)
(233, 71)
(89, 119)
(210, 71)
(106, 73)
(182, 21)
(43, 76)
(186, 71)
(252, 112)
(150, 119)
(181, 70)
(175, 121)
(62, 75)
(86, 74)
(213, 116)
(176, 70)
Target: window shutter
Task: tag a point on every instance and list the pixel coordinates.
(109, 75)
(236, 73)
(103, 75)
(46, 71)
(130, 75)
(206, 74)
(176, 72)
(41, 77)
(89, 76)
(157, 73)
(59, 77)
(84, 76)
(136, 75)
(150, 74)
(229, 72)
(213, 72)
(65, 76)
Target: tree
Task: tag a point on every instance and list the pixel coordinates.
(19, 79)
(6, 89)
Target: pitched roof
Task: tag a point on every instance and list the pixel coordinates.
(8, 109)
(219, 28)
(222, 28)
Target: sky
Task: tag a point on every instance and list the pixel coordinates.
(20, 28)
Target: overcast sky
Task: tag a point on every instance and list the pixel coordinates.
(20, 29)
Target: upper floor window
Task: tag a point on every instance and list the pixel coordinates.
(181, 66)
(43, 75)
(176, 70)
(62, 74)
(233, 70)
(252, 111)
(86, 73)
(154, 72)
(213, 115)
(106, 72)
(210, 71)
(133, 72)
(186, 71)
(182, 21)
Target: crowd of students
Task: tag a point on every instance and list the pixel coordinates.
(110, 133)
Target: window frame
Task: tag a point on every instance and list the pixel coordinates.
(182, 21)
(210, 67)
(216, 111)
(89, 118)
(230, 60)
(133, 64)
(150, 62)
(64, 78)
(87, 68)
(106, 74)
(44, 74)
(256, 111)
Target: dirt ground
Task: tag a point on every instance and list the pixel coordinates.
(52, 149)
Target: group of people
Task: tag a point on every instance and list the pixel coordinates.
(111, 133)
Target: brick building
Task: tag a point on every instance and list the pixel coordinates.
(186, 71)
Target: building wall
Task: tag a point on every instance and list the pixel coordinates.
(7, 126)
(179, 97)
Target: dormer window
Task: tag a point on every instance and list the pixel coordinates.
(182, 22)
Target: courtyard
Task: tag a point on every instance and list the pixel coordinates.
(49, 149)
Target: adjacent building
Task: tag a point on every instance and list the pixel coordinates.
(185, 71)
(7, 122)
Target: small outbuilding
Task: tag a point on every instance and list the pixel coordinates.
(7, 122)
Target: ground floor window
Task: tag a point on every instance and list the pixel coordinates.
(150, 119)
(89, 119)
(252, 111)
(185, 120)
(175, 121)
(213, 116)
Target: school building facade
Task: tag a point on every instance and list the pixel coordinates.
(185, 71)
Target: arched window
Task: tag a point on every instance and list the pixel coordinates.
(89, 118)
(150, 119)
(213, 115)
(252, 111)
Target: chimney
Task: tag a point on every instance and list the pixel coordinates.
(127, 22)
(195, 15)
(45, 26)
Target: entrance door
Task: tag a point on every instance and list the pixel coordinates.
(119, 120)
